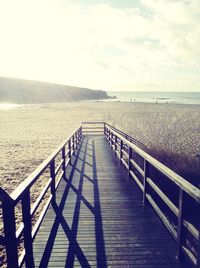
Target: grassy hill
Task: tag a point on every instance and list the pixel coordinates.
(26, 91)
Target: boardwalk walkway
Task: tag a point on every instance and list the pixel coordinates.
(99, 219)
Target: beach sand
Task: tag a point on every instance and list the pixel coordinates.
(31, 132)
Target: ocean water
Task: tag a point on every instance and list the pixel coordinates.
(157, 97)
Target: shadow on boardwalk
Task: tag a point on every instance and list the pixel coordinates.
(86, 151)
(98, 219)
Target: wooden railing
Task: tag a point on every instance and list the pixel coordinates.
(145, 170)
(93, 128)
(128, 137)
(27, 230)
(99, 128)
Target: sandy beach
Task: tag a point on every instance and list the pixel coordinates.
(30, 133)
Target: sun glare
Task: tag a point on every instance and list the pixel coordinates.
(8, 106)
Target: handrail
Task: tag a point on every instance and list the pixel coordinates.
(99, 126)
(124, 146)
(93, 128)
(177, 179)
(128, 137)
(22, 194)
(27, 183)
(93, 122)
(117, 141)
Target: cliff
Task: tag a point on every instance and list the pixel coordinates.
(26, 91)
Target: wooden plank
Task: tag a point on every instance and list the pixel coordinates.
(40, 197)
(137, 167)
(124, 163)
(162, 216)
(92, 131)
(99, 219)
(125, 153)
(189, 254)
(41, 217)
(92, 123)
(165, 199)
(59, 166)
(97, 127)
(137, 180)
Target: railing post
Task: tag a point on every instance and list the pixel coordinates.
(106, 132)
(104, 129)
(146, 174)
(112, 140)
(69, 148)
(181, 228)
(115, 144)
(109, 136)
(198, 251)
(64, 162)
(73, 143)
(8, 209)
(28, 241)
(76, 140)
(53, 183)
(129, 161)
(79, 135)
(121, 153)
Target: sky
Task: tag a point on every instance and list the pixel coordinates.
(117, 45)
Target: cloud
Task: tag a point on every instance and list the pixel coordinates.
(156, 43)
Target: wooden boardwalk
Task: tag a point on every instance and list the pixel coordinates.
(99, 219)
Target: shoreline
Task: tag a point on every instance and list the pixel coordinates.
(11, 105)
(176, 97)
(151, 103)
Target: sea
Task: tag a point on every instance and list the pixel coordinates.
(139, 96)
(156, 97)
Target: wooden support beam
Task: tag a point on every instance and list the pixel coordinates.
(64, 162)
(28, 241)
(121, 151)
(145, 184)
(129, 162)
(10, 233)
(53, 182)
(69, 148)
(181, 228)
